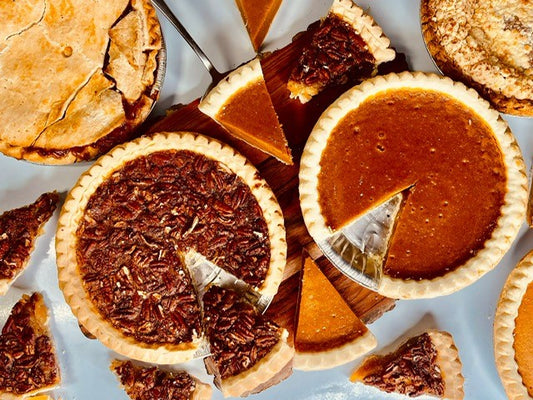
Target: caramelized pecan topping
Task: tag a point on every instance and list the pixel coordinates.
(238, 335)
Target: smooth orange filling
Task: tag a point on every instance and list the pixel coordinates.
(258, 16)
(440, 149)
(523, 339)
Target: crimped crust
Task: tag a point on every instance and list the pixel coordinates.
(76, 202)
(309, 361)
(515, 199)
(449, 363)
(504, 326)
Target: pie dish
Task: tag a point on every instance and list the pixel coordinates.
(126, 226)
(19, 228)
(26, 332)
(485, 44)
(148, 383)
(427, 364)
(348, 47)
(65, 98)
(328, 333)
(249, 353)
(258, 16)
(241, 104)
(512, 331)
(451, 131)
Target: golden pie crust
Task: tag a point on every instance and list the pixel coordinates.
(65, 98)
(73, 210)
(504, 328)
(487, 44)
(515, 196)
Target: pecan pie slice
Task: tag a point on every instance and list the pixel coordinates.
(426, 364)
(248, 352)
(18, 230)
(28, 363)
(348, 47)
(148, 383)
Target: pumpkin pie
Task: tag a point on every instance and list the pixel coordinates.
(18, 230)
(148, 383)
(249, 353)
(427, 364)
(28, 363)
(129, 221)
(328, 333)
(258, 16)
(65, 98)
(513, 331)
(347, 47)
(241, 104)
(487, 44)
(452, 157)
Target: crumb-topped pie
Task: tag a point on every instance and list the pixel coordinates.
(126, 226)
(76, 77)
(258, 16)
(487, 44)
(452, 157)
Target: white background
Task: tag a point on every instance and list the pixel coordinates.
(217, 26)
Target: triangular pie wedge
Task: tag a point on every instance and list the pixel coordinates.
(258, 16)
(25, 331)
(149, 383)
(18, 230)
(241, 104)
(328, 333)
(427, 364)
(249, 353)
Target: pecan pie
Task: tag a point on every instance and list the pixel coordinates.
(249, 353)
(241, 103)
(328, 333)
(18, 230)
(348, 47)
(127, 224)
(258, 16)
(427, 364)
(487, 44)
(76, 77)
(148, 383)
(453, 158)
(28, 363)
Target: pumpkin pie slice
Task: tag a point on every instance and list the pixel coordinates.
(249, 353)
(427, 364)
(347, 47)
(328, 333)
(148, 383)
(241, 104)
(456, 155)
(128, 223)
(258, 16)
(513, 333)
(18, 230)
(28, 360)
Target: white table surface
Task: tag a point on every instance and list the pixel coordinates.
(217, 26)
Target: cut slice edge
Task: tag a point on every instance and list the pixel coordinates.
(258, 31)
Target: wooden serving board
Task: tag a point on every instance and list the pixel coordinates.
(297, 120)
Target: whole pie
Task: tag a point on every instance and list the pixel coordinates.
(452, 157)
(131, 218)
(258, 16)
(328, 333)
(76, 77)
(487, 44)
(513, 332)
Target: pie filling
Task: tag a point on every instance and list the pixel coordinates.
(428, 141)
(139, 222)
(523, 337)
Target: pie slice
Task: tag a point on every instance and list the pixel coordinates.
(241, 104)
(28, 360)
(18, 230)
(348, 47)
(248, 352)
(427, 364)
(258, 16)
(328, 333)
(148, 383)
